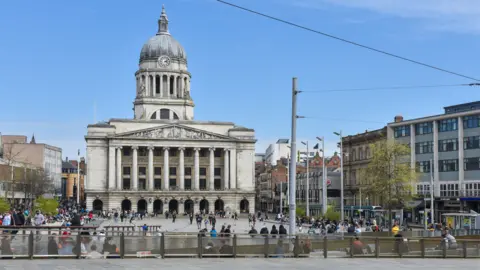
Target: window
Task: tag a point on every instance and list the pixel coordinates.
(354, 155)
(423, 189)
(367, 152)
(360, 153)
(175, 116)
(471, 121)
(424, 128)
(142, 170)
(424, 147)
(203, 171)
(126, 183)
(218, 153)
(423, 166)
(217, 184)
(217, 171)
(471, 142)
(202, 153)
(449, 190)
(402, 131)
(173, 171)
(157, 152)
(448, 165)
(173, 153)
(164, 114)
(188, 171)
(142, 152)
(471, 164)
(188, 153)
(157, 182)
(203, 184)
(447, 125)
(448, 145)
(126, 151)
(173, 183)
(157, 171)
(188, 184)
(126, 170)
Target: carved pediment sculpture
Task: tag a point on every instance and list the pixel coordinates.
(175, 132)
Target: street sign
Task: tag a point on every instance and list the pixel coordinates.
(329, 182)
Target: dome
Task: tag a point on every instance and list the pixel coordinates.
(163, 44)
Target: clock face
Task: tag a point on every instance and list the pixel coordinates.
(164, 61)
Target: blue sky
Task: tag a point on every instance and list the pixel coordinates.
(59, 58)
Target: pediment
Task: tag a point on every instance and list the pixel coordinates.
(173, 132)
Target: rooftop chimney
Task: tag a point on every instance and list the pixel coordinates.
(398, 118)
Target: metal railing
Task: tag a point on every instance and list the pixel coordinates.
(38, 243)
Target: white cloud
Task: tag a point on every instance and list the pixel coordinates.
(450, 15)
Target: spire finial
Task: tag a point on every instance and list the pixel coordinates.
(163, 22)
(32, 141)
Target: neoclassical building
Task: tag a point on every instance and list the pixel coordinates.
(163, 159)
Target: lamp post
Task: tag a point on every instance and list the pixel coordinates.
(308, 181)
(339, 134)
(324, 178)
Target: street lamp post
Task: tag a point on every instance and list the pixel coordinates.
(293, 157)
(308, 181)
(339, 134)
(324, 177)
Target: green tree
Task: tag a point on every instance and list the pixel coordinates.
(46, 206)
(389, 174)
(300, 211)
(4, 205)
(331, 214)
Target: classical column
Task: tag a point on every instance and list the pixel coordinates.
(134, 178)
(233, 168)
(166, 169)
(119, 168)
(150, 168)
(168, 86)
(174, 86)
(226, 170)
(196, 165)
(111, 168)
(161, 84)
(181, 164)
(154, 84)
(211, 173)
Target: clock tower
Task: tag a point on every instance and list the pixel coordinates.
(162, 80)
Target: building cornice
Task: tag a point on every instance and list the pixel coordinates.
(433, 118)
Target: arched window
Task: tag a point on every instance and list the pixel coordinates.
(360, 153)
(165, 114)
(154, 116)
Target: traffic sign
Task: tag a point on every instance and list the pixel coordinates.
(329, 182)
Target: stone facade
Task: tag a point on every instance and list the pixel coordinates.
(162, 159)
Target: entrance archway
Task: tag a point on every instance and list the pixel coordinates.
(188, 206)
(173, 205)
(204, 206)
(97, 205)
(244, 205)
(158, 207)
(142, 206)
(219, 205)
(126, 205)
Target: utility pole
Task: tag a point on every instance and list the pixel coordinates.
(293, 160)
(342, 210)
(308, 181)
(431, 193)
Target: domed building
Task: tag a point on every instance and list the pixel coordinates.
(163, 159)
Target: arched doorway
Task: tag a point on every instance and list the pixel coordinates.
(244, 205)
(204, 206)
(158, 207)
(173, 205)
(219, 205)
(97, 205)
(126, 205)
(188, 206)
(142, 206)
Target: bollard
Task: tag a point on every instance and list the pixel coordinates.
(30, 245)
(325, 247)
(296, 247)
(122, 246)
(78, 246)
(444, 250)
(265, 246)
(162, 245)
(464, 247)
(377, 247)
(200, 246)
(234, 246)
(422, 248)
(351, 247)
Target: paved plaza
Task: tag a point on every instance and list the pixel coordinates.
(233, 264)
(182, 224)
